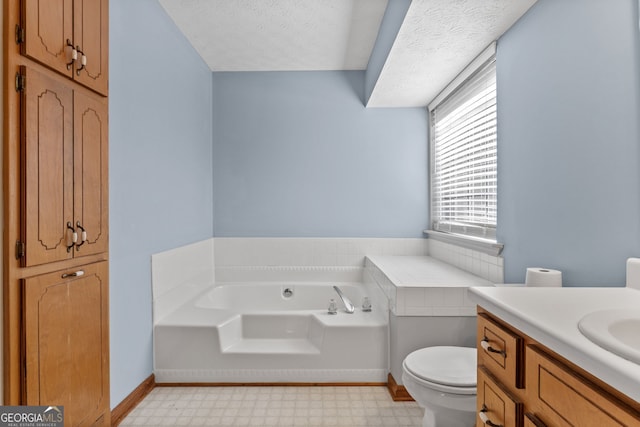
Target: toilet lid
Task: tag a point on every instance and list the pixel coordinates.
(452, 366)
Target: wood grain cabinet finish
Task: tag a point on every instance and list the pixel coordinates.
(539, 388)
(64, 168)
(67, 343)
(501, 351)
(495, 405)
(560, 397)
(532, 421)
(53, 29)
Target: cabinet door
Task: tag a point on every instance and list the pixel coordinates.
(54, 28)
(66, 343)
(48, 24)
(560, 397)
(47, 168)
(91, 198)
(90, 32)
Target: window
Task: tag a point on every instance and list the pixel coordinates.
(464, 153)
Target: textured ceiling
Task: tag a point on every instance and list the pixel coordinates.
(436, 40)
(280, 35)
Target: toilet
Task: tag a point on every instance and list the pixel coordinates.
(442, 380)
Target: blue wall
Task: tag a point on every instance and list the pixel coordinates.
(160, 170)
(569, 140)
(296, 154)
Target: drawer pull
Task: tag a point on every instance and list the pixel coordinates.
(74, 274)
(485, 418)
(485, 344)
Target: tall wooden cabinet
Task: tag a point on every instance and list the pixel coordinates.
(55, 178)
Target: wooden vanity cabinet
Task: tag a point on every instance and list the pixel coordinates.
(540, 387)
(51, 30)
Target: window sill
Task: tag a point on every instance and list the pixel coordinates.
(481, 245)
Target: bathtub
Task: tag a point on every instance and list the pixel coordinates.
(271, 333)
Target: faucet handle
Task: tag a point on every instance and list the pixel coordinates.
(366, 304)
(333, 308)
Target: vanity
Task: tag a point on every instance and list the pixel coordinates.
(535, 366)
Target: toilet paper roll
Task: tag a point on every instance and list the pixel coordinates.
(543, 277)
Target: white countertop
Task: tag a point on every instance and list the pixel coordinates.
(424, 286)
(425, 272)
(550, 316)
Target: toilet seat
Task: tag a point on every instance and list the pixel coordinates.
(449, 369)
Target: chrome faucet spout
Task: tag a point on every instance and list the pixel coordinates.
(348, 306)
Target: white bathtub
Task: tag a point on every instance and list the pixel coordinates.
(254, 332)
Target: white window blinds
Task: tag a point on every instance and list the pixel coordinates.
(464, 153)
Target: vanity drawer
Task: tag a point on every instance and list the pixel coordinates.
(501, 351)
(494, 405)
(560, 397)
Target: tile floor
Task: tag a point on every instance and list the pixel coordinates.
(273, 406)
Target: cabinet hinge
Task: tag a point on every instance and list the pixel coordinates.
(20, 34)
(21, 82)
(21, 249)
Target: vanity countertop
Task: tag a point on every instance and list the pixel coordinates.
(551, 315)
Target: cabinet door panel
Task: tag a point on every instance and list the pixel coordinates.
(560, 397)
(91, 170)
(47, 157)
(66, 343)
(91, 21)
(48, 25)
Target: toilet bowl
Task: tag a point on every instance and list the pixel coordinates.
(442, 380)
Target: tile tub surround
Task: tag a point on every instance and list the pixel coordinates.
(475, 262)
(180, 274)
(428, 304)
(308, 259)
(423, 285)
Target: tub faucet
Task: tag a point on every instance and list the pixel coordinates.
(348, 306)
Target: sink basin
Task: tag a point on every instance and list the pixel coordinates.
(617, 331)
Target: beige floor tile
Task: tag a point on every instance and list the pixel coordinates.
(273, 406)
